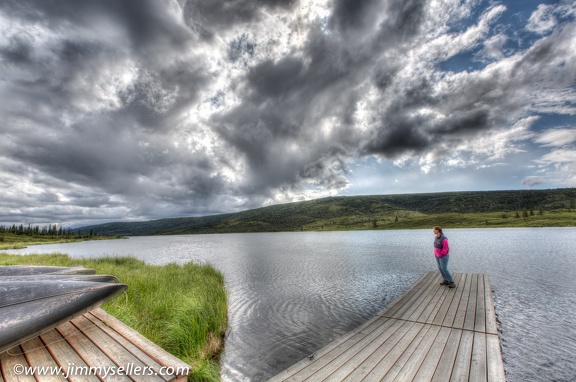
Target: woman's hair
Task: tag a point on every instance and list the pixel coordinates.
(437, 228)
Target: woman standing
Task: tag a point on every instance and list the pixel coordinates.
(441, 252)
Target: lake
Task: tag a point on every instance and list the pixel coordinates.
(293, 293)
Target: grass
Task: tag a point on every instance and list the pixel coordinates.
(182, 308)
(414, 220)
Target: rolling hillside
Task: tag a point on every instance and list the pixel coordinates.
(466, 209)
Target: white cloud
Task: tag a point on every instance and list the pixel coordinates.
(449, 45)
(542, 19)
(556, 137)
(493, 48)
(559, 165)
(559, 156)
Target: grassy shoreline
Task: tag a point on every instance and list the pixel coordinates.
(411, 220)
(15, 241)
(182, 308)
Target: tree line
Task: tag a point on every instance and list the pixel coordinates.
(50, 230)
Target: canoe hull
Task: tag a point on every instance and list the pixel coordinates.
(61, 277)
(28, 309)
(22, 270)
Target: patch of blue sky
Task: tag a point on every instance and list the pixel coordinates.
(511, 23)
(467, 61)
(548, 121)
(372, 177)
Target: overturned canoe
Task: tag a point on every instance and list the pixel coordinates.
(61, 277)
(22, 270)
(28, 308)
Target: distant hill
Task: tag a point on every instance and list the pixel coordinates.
(475, 208)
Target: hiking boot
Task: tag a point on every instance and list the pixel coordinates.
(452, 285)
(445, 282)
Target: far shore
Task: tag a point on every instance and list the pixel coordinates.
(15, 241)
(397, 221)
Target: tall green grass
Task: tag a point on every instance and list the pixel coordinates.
(182, 308)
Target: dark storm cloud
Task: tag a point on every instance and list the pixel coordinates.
(465, 122)
(401, 134)
(403, 21)
(352, 14)
(281, 96)
(209, 17)
(145, 20)
(68, 61)
(71, 116)
(398, 137)
(276, 79)
(287, 99)
(17, 52)
(327, 173)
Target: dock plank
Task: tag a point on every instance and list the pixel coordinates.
(129, 346)
(428, 302)
(377, 355)
(457, 301)
(37, 355)
(112, 349)
(328, 363)
(416, 360)
(462, 303)
(430, 364)
(480, 322)
(411, 298)
(345, 367)
(470, 319)
(491, 324)
(404, 347)
(9, 359)
(150, 348)
(430, 333)
(444, 370)
(88, 351)
(416, 288)
(440, 311)
(478, 367)
(461, 368)
(65, 356)
(494, 358)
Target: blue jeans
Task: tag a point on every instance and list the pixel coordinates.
(443, 267)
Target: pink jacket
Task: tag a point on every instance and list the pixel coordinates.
(441, 252)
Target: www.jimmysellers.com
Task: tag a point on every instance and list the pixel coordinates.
(72, 370)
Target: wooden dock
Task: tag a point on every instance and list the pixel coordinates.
(93, 347)
(431, 333)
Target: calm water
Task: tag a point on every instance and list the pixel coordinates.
(293, 293)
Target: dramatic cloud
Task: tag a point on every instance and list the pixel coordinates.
(131, 110)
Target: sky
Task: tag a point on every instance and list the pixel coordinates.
(131, 110)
